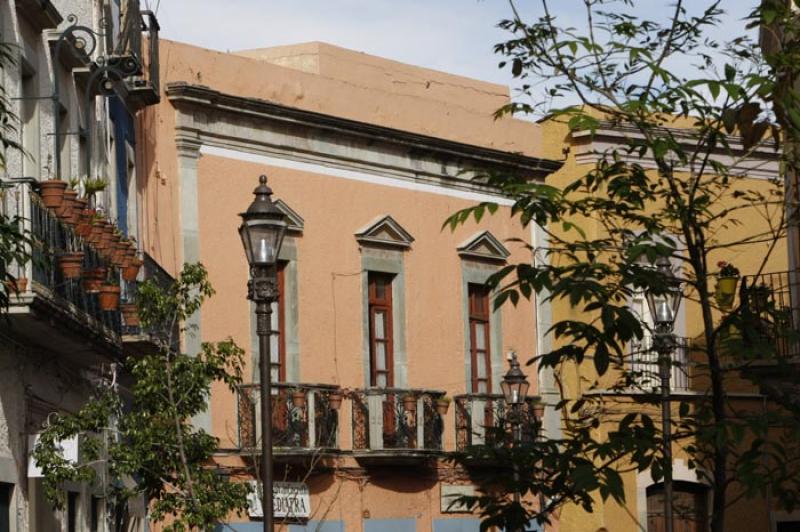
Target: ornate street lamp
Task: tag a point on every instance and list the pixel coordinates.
(515, 389)
(664, 305)
(262, 230)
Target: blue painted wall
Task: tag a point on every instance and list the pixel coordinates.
(456, 525)
(124, 131)
(257, 526)
(318, 526)
(390, 525)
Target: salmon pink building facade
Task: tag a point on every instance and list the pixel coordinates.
(387, 353)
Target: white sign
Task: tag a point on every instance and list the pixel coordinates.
(68, 450)
(289, 500)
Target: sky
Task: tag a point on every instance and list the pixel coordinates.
(455, 36)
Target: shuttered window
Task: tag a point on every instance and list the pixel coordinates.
(380, 330)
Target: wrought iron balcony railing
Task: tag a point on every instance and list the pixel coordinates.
(392, 419)
(644, 368)
(484, 419)
(143, 83)
(52, 237)
(305, 417)
(770, 310)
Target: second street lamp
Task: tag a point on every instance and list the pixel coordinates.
(262, 230)
(515, 390)
(664, 305)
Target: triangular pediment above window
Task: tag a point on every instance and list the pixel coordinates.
(385, 231)
(295, 221)
(484, 246)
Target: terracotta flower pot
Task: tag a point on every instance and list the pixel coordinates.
(93, 280)
(299, 398)
(335, 400)
(131, 271)
(130, 313)
(96, 235)
(85, 215)
(120, 254)
(52, 192)
(108, 236)
(17, 286)
(109, 297)
(442, 406)
(70, 264)
(409, 403)
(67, 210)
(538, 410)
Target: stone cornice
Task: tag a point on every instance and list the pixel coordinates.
(470, 156)
(590, 146)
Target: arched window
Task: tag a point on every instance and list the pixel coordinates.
(689, 507)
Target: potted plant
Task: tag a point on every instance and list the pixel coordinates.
(538, 409)
(759, 296)
(130, 272)
(109, 296)
(96, 234)
(93, 279)
(727, 279)
(335, 399)
(442, 405)
(130, 313)
(409, 402)
(92, 186)
(70, 263)
(298, 398)
(84, 217)
(16, 285)
(52, 192)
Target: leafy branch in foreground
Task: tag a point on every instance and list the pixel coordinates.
(141, 443)
(674, 186)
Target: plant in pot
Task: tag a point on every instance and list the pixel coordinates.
(52, 192)
(409, 402)
(93, 279)
(442, 405)
(131, 271)
(68, 212)
(758, 296)
(298, 398)
(92, 186)
(130, 313)
(109, 295)
(70, 263)
(335, 399)
(727, 279)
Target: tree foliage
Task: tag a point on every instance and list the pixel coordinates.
(142, 442)
(693, 111)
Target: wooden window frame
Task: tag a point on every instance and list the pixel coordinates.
(479, 301)
(383, 305)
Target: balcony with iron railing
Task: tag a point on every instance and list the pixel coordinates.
(484, 419)
(305, 419)
(395, 425)
(50, 305)
(139, 63)
(769, 313)
(644, 365)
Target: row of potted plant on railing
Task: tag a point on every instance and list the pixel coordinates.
(117, 251)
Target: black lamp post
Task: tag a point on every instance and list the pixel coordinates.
(262, 230)
(664, 306)
(515, 389)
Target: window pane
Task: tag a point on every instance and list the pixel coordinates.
(482, 387)
(480, 336)
(275, 323)
(380, 287)
(380, 328)
(380, 356)
(381, 380)
(482, 366)
(276, 374)
(275, 348)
